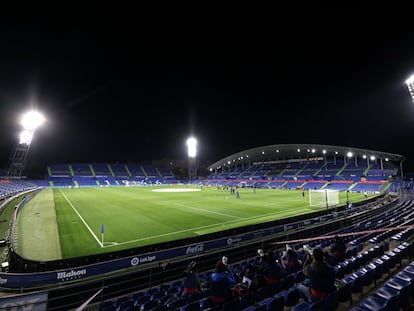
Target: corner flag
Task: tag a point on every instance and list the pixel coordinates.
(102, 233)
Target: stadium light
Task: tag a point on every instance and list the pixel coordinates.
(410, 85)
(30, 121)
(192, 152)
(192, 147)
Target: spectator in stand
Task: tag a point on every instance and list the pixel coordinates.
(321, 277)
(337, 251)
(290, 260)
(221, 288)
(268, 272)
(192, 282)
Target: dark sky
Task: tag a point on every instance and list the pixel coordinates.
(123, 86)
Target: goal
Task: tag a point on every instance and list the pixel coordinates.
(323, 197)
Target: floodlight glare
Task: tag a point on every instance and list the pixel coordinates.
(349, 154)
(32, 120)
(191, 145)
(410, 85)
(410, 80)
(26, 137)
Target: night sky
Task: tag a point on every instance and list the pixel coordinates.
(116, 87)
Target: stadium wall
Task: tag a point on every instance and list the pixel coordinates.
(105, 263)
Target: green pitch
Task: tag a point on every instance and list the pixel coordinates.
(65, 223)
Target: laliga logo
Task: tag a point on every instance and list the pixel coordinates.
(231, 241)
(195, 249)
(134, 261)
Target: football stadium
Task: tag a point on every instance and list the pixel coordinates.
(119, 236)
(293, 192)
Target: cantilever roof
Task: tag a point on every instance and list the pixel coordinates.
(292, 151)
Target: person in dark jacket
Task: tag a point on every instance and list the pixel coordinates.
(221, 288)
(192, 282)
(337, 251)
(321, 277)
(290, 260)
(268, 272)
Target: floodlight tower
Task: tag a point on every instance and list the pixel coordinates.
(30, 122)
(192, 152)
(410, 85)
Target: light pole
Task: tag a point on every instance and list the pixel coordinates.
(410, 85)
(30, 122)
(192, 152)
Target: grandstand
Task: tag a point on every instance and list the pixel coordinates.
(377, 274)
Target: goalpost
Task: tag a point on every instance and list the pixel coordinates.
(323, 197)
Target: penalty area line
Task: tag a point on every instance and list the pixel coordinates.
(81, 218)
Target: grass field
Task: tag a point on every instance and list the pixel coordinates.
(65, 223)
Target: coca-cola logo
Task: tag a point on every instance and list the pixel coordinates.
(195, 249)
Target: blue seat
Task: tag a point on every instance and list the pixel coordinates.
(339, 271)
(175, 304)
(172, 290)
(406, 276)
(141, 300)
(331, 301)
(125, 305)
(265, 301)
(232, 305)
(377, 268)
(120, 300)
(206, 303)
(152, 291)
(374, 303)
(164, 299)
(369, 275)
(289, 281)
(348, 266)
(356, 263)
(193, 306)
(277, 304)
(345, 292)
(310, 306)
(194, 297)
(247, 300)
(149, 305)
(263, 292)
(390, 295)
(404, 287)
(299, 277)
(256, 308)
(385, 264)
(357, 280)
(292, 296)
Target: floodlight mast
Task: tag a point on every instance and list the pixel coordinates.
(192, 152)
(18, 158)
(410, 85)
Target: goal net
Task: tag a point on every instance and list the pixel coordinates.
(324, 197)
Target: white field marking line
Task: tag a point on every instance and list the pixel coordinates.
(204, 210)
(84, 222)
(190, 229)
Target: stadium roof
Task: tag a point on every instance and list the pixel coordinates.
(301, 151)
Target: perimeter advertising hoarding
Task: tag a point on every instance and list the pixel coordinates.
(20, 280)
